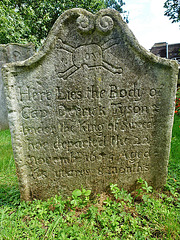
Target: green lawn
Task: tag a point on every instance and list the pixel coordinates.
(144, 214)
(6, 154)
(174, 160)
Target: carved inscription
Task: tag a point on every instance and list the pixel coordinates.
(91, 92)
(90, 121)
(121, 131)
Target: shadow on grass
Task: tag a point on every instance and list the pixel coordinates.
(9, 195)
(9, 190)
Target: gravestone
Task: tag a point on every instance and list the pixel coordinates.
(92, 108)
(10, 53)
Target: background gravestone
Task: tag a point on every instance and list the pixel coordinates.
(91, 108)
(10, 53)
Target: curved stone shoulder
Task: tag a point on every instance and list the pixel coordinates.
(9, 48)
(85, 17)
(27, 45)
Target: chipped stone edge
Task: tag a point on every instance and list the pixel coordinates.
(19, 44)
(6, 72)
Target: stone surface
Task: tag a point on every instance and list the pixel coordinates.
(91, 108)
(10, 53)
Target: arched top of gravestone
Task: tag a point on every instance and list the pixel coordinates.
(74, 28)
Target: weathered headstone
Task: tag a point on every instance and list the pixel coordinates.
(10, 53)
(91, 108)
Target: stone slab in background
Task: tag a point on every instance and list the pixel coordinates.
(10, 53)
(92, 108)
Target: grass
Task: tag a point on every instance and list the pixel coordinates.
(142, 214)
(6, 153)
(174, 161)
(9, 192)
